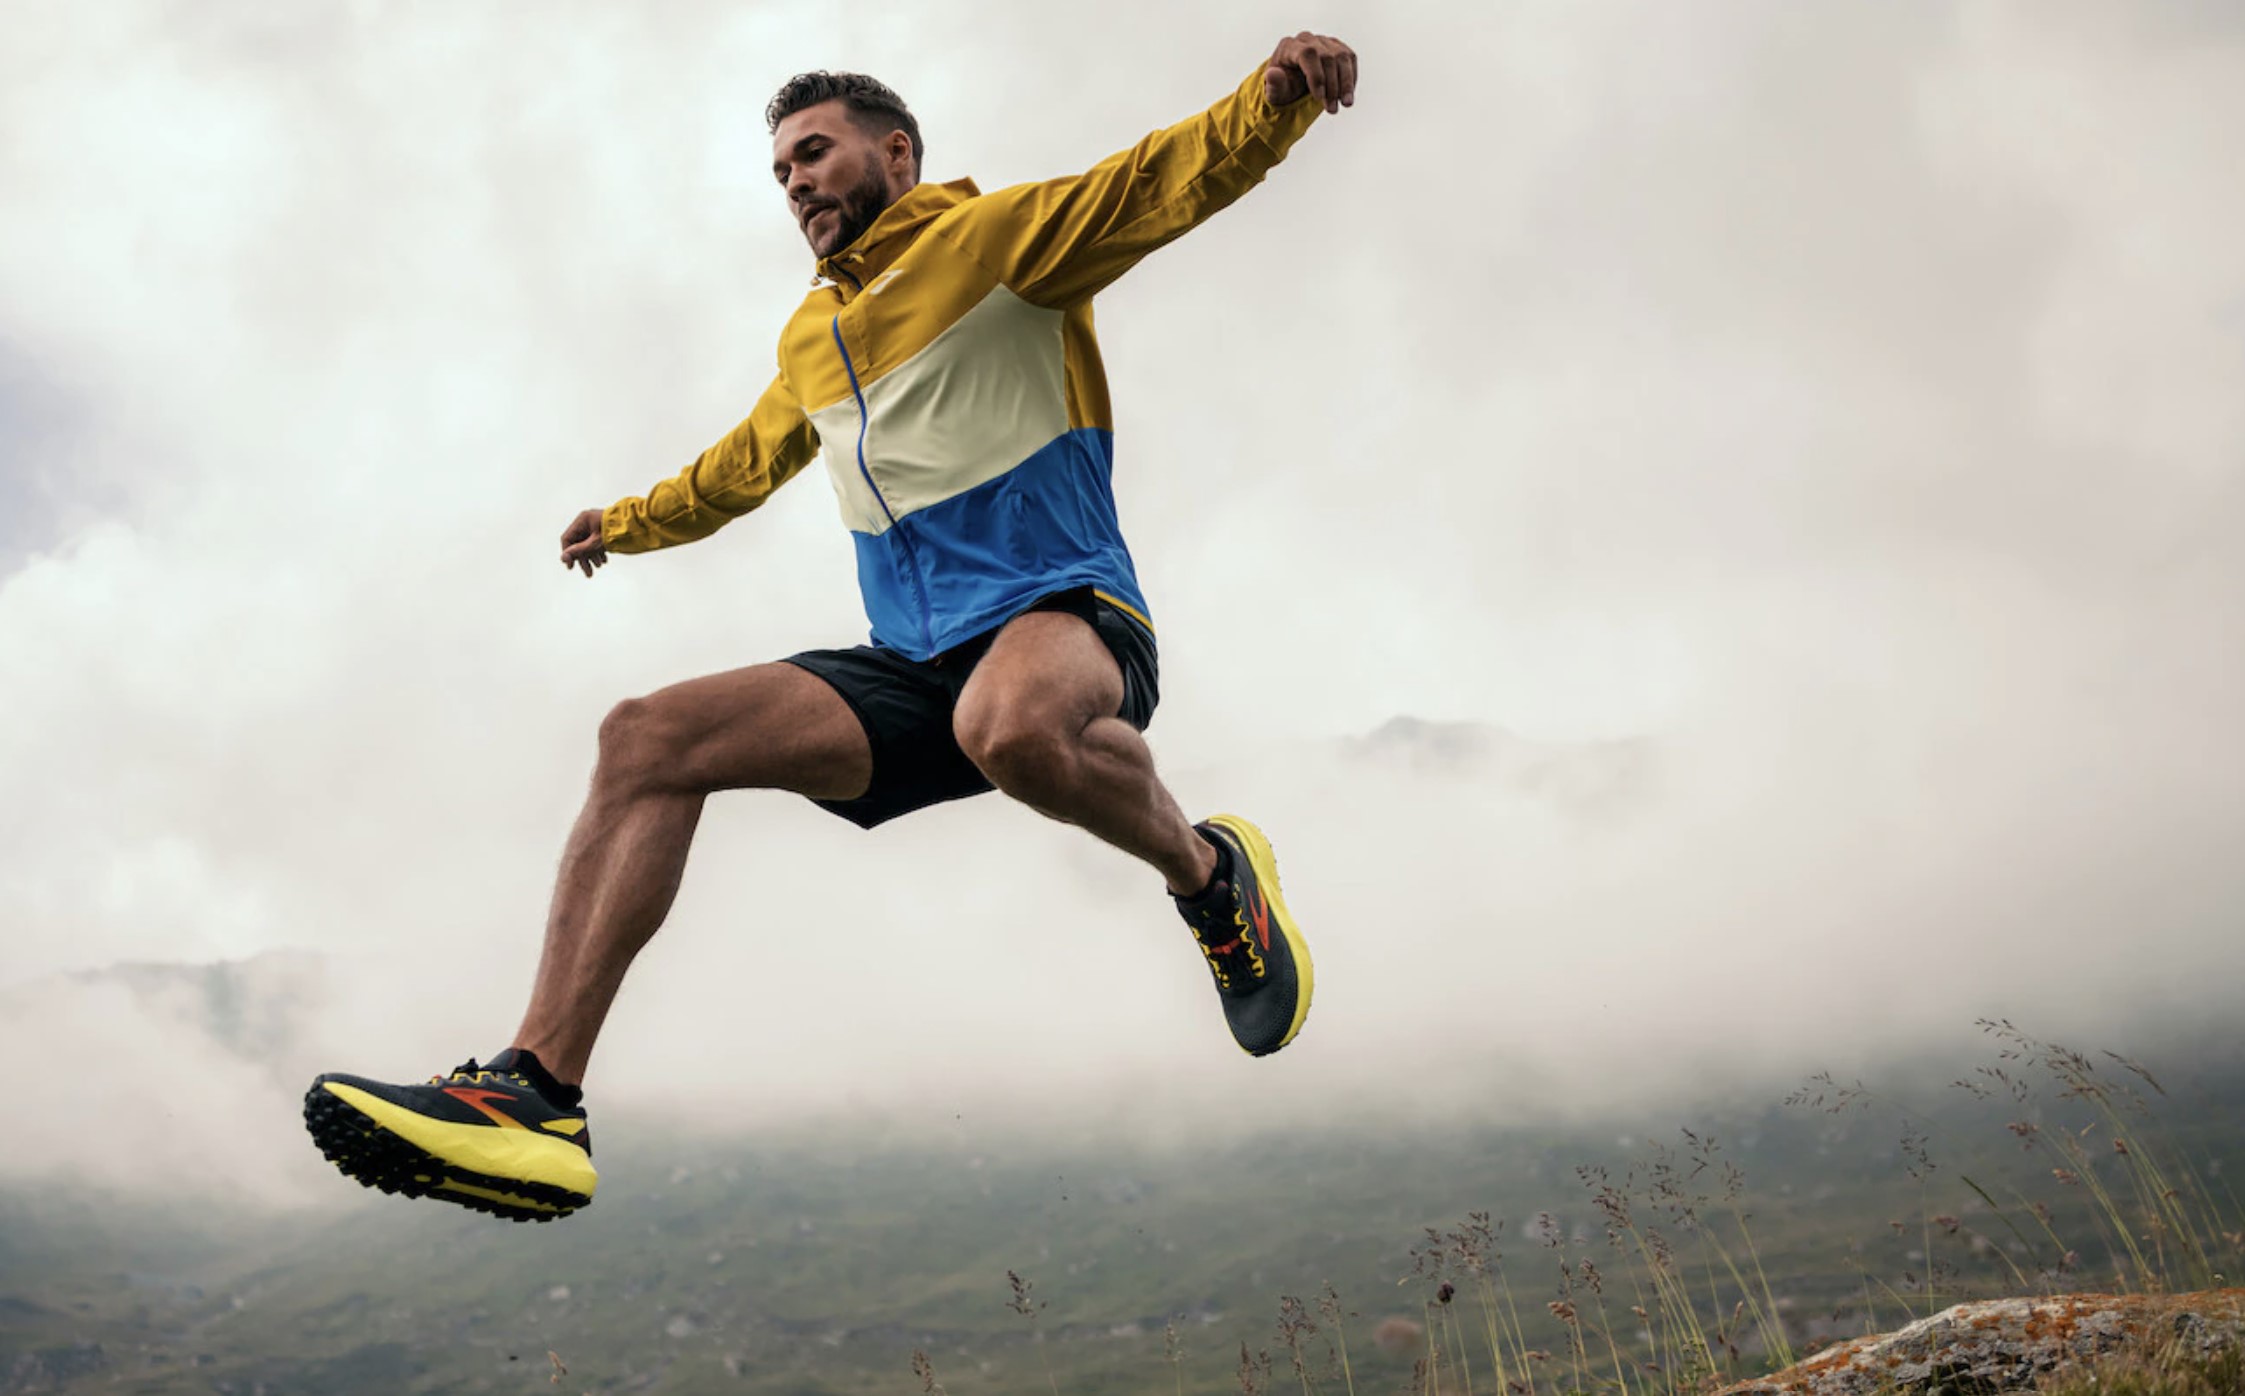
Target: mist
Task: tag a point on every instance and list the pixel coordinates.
(1815, 436)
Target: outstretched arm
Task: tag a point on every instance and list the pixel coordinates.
(1060, 242)
(724, 482)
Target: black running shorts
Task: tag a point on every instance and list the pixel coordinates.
(906, 706)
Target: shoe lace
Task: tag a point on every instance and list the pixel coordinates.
(466, 1071)
(470, 1071)
(1236, 940)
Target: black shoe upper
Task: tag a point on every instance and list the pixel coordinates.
(1252, 964)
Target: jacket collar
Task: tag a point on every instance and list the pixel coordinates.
(896, 229)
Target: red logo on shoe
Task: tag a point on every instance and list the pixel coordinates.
(1259, 911)
(478, 1100)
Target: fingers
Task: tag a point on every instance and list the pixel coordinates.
(581, 543)
(1310, 63)
(1325, 66)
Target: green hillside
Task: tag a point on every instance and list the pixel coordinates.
(821, 1264)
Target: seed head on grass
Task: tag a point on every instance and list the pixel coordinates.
(1254, 1372)
(1476, 1243)
(1821, 1092)
(1295, 1324)
(1025, 1305)
(1329, 1304)
(925, 1371)
(1021, 1303)
(1916, 1161)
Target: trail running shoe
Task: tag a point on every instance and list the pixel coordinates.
(1261, 963)
(482, 1137)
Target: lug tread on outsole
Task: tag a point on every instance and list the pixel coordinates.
(373, 1157)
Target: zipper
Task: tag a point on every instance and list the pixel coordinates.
(911, 554)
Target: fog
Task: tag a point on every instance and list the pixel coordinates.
(1819, 432)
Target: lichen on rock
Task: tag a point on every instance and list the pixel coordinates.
(2000, 1345)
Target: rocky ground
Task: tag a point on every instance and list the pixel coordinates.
(2001, 1345)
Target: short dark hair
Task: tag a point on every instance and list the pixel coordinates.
(873, 105)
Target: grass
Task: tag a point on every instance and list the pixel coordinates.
(1673, 1295)
(2154, 1370)
(1448, 1261)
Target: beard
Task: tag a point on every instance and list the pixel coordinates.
(859, 205)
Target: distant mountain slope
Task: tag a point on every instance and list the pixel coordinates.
(1582, 778)
(253, 1008)
(820, 1261)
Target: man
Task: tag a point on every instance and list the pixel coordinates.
(945, 368)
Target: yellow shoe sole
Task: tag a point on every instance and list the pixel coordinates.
(512, 1173)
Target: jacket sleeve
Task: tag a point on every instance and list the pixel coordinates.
(724, 482)
(1058, 243)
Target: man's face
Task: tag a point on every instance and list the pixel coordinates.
(837, 177)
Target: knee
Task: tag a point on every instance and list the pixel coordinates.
(1019, 755)
(637, 742)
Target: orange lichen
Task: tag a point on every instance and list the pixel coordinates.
(2036, 1336)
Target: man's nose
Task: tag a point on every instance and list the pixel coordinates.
(799, 187)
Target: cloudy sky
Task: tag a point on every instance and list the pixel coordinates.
(1847, 402)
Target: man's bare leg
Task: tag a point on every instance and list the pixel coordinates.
(1038, 719)
(772, 726)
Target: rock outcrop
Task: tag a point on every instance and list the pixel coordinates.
(2000, 1345)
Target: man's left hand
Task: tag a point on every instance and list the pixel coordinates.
(1312, 65)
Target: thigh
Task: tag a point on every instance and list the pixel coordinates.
(766, 727)
(1047, 670)
(903, 708)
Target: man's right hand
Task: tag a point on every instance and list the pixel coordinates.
(1311, 65)
(580, 542)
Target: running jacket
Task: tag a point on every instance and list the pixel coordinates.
(945, 367)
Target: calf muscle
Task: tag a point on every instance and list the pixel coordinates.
(772, 726)
(1038, 719)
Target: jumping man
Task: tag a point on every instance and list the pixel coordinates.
(945, 369)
